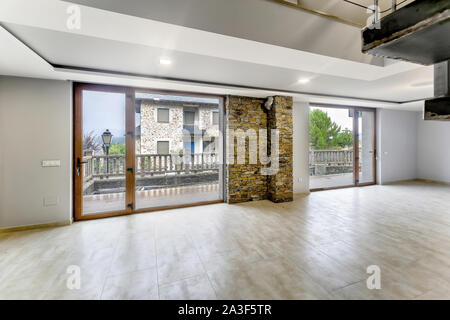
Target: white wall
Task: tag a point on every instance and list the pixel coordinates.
(300, 119)
(433, 150)
(35, 125)
(396, 145)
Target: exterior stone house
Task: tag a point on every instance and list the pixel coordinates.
(176, 124)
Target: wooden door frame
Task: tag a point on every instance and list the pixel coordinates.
(78, 89)
(355, 145)
(130, 161)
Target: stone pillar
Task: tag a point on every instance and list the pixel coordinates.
(281, 183)
(247, 179)
(244, 181)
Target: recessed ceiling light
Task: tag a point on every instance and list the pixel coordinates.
(304, 81)
(165, 61)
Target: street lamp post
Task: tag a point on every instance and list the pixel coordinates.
(107, 139)
(331, 142)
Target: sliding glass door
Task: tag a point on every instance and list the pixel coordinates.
(139, 150)
(331, 154)
(342, 147)
(178, 151)
(366, 142)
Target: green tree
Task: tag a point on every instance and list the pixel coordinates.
(345, 139)
(323, 132)
(118, 148)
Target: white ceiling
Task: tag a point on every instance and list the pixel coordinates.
(121, 43)
(264, 21)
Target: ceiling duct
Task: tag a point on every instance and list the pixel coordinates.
(419, 33)
(439, 107)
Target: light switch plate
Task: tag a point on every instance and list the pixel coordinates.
(51, 163)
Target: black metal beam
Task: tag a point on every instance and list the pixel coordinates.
(418, 32)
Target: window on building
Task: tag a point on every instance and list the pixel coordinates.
(209, 146)
(162, 147)
(215, 118)
(189, 117)
(163, 115)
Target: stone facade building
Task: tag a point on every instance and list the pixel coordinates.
(175, 125)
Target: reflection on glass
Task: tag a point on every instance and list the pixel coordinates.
(103, 152)
(177, 150)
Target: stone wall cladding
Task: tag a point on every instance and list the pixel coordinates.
(244, 182)
(280, 185)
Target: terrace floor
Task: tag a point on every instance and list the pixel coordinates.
(332, 180)
(317, 247)
(152, 198)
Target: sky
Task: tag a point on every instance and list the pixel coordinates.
(104, 110)
(340, 116)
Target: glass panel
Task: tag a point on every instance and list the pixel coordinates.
(103, 152)
(182, 171)
(209, 145)
(366, 123)
(163, 115)
(189, 117)
(163, 147)
(331, 148)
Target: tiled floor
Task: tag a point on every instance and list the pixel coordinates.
(317, 247)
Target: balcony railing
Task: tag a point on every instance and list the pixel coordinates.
(149, 165)
(331, 157)
(162, 164)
